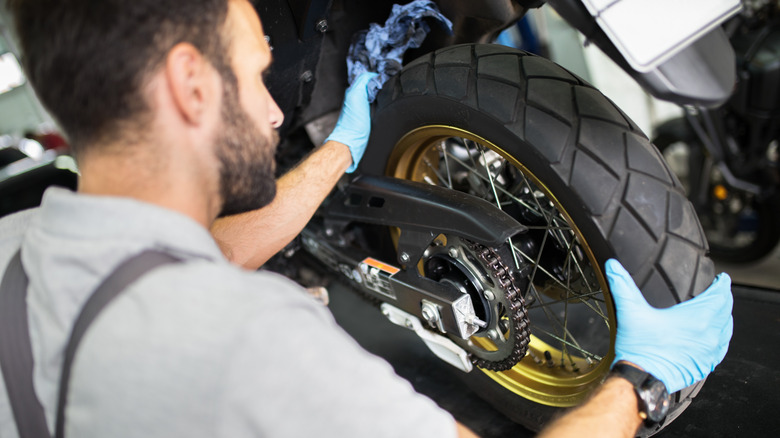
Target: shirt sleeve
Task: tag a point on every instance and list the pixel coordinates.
(296, 373)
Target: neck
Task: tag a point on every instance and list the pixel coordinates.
(168, 183)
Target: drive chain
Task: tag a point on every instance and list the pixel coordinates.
(517, 312)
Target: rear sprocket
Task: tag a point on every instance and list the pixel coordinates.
(479, 271)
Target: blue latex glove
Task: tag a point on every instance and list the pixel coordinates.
(679, 345)
(354, 125)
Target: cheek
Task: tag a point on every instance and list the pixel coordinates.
(256, 107)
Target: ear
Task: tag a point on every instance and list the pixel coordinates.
(191, 80)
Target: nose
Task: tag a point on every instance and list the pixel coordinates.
(275, 114)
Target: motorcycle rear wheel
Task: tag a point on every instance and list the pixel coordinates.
(602, 188)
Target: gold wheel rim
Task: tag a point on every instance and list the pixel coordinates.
(547, 383)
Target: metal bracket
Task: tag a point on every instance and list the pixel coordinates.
(442, 347)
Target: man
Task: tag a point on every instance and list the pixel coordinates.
(172, 126)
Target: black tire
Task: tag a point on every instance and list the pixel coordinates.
(732, 238)
(597, 166)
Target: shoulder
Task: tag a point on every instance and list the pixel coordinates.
(222, 283)
(12, 229)
(15, 224)
(209, 303)
(167, 342)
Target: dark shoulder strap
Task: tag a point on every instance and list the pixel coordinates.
(16, 353)
(28, 412)
(112, 286)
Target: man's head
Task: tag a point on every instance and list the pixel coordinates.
(91, 63)
(88, 59)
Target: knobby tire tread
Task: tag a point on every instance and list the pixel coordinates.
(568, 125)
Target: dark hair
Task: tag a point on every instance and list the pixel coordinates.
(88, 59)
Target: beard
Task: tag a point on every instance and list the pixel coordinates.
(246, 158)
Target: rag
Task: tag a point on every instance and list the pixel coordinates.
(380, 49)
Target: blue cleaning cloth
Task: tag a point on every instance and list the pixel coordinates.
(380, 49)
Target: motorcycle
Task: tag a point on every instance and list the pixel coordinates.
(496, 184)
(727, 157)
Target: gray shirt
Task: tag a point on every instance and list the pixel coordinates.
(196, 349)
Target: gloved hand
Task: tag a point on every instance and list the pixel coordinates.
(354, 125)
(679, 345)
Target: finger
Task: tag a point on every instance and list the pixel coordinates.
(723, 281)
(721, 354)
(624, 290)
(716, 300)
(728, 332)
(362, 80)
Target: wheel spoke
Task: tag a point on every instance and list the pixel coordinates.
(541, 210)
(536, 265)
(564, 350)
(498, 202)
(581, 350)
(597, 309)
(558, 228)
(474, 171)
(571, 258)
(437, 173)
(443, 149)
(576, 297)
(551, 316)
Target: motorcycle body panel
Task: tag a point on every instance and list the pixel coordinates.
(649, 33)
(702, 73)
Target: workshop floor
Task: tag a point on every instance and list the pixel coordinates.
(740, 399)
(764, 273)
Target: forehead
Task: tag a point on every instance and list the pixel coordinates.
(246, 32)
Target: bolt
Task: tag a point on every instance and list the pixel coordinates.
(356, 276)
(478, 322)
(453, 252)
(489, 295)
(322, 26)
(329, 232)
(307, 76)
(493, 334)
(427, 314)
(409, 324)
(548, 359)
(535, 357)
(405, 257)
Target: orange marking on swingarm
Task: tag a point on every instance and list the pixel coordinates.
(381, 266)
